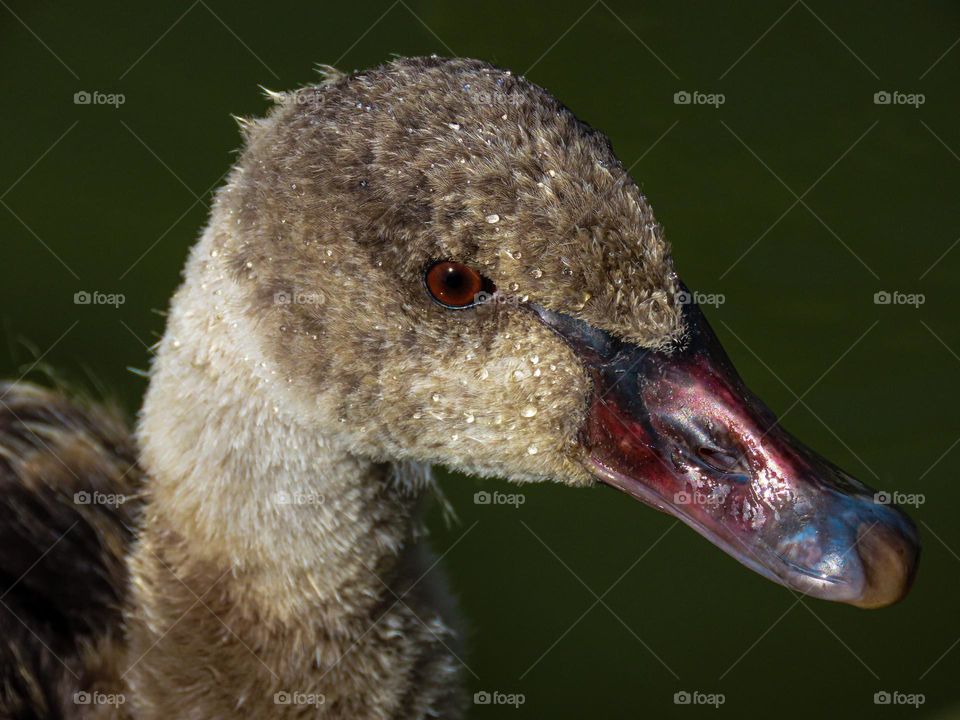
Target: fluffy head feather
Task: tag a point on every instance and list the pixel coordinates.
(346, 193)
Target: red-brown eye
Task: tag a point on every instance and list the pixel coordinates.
(455, 285)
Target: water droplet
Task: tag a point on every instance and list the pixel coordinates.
(537, 273)
(534, 359)
(493, 218)
(435, 397)
(532, 450)
(470, 418)
(453, 126)
(529, 411)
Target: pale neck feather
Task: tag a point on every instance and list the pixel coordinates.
(245, 479)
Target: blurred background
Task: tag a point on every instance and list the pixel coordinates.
(803, 157)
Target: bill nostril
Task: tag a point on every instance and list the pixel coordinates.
(720, 460)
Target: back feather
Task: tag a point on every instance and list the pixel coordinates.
(69, 498)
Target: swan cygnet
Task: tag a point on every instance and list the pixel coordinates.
(433, 262)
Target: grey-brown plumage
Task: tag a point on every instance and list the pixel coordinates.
(303, 358)
(63, 548)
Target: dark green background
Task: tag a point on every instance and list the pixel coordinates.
(124, 182)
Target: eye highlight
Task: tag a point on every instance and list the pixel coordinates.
(455, 285)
